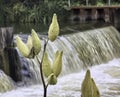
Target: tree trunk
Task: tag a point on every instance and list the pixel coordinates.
(109, 2)
(87, 2)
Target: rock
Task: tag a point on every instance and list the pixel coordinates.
(14, 63)
(9, 58)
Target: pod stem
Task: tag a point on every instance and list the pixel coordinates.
(41, 72)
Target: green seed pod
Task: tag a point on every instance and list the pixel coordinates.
(46, 65)
(87, 85)
(36, 42)
(95, 91)
(57, 63)
(52, 79)
(22, 47)
(30, 47)
(53, 31)
(29, 42)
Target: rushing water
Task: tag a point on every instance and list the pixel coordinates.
(106, 76)
(88, 49)
(82, 50)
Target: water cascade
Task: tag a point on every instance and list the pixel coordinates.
(9, 60)
(82, 50)
(96, 46)
(6, 82)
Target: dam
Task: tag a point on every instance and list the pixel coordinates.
(108, 14)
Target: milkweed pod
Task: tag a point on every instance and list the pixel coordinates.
(57, 63)
(30, 47)
(88, 75)
(46, 65)
(53, 31)
(87, 85)
(52, 79)
(29, 42)
(36, 42)
(95, 91)
(22, 47)
(32, 54)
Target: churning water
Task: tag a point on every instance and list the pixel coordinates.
(106, 76)
(82, 50)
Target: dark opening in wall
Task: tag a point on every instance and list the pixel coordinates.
(101, 14)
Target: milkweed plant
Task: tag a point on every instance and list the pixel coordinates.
(49, 72)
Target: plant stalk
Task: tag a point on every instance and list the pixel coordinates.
(41, 72)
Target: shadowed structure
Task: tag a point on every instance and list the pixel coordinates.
(9, 59)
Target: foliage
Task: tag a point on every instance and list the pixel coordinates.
(29, 11)
(2, 11)
(100, 3)
(40, 11)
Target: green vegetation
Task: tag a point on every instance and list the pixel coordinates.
(28, 11)
(40, 11)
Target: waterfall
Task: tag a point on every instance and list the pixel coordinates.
(82, 50)
(5, 82)
(96, 46)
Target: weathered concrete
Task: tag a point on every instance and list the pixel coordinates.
(6, 40)
(108, 14)
(9, 59)
(14, 63)
(6, 37)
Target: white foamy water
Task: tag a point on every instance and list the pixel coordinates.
(106, 76)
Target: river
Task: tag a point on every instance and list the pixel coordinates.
(106, 76)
